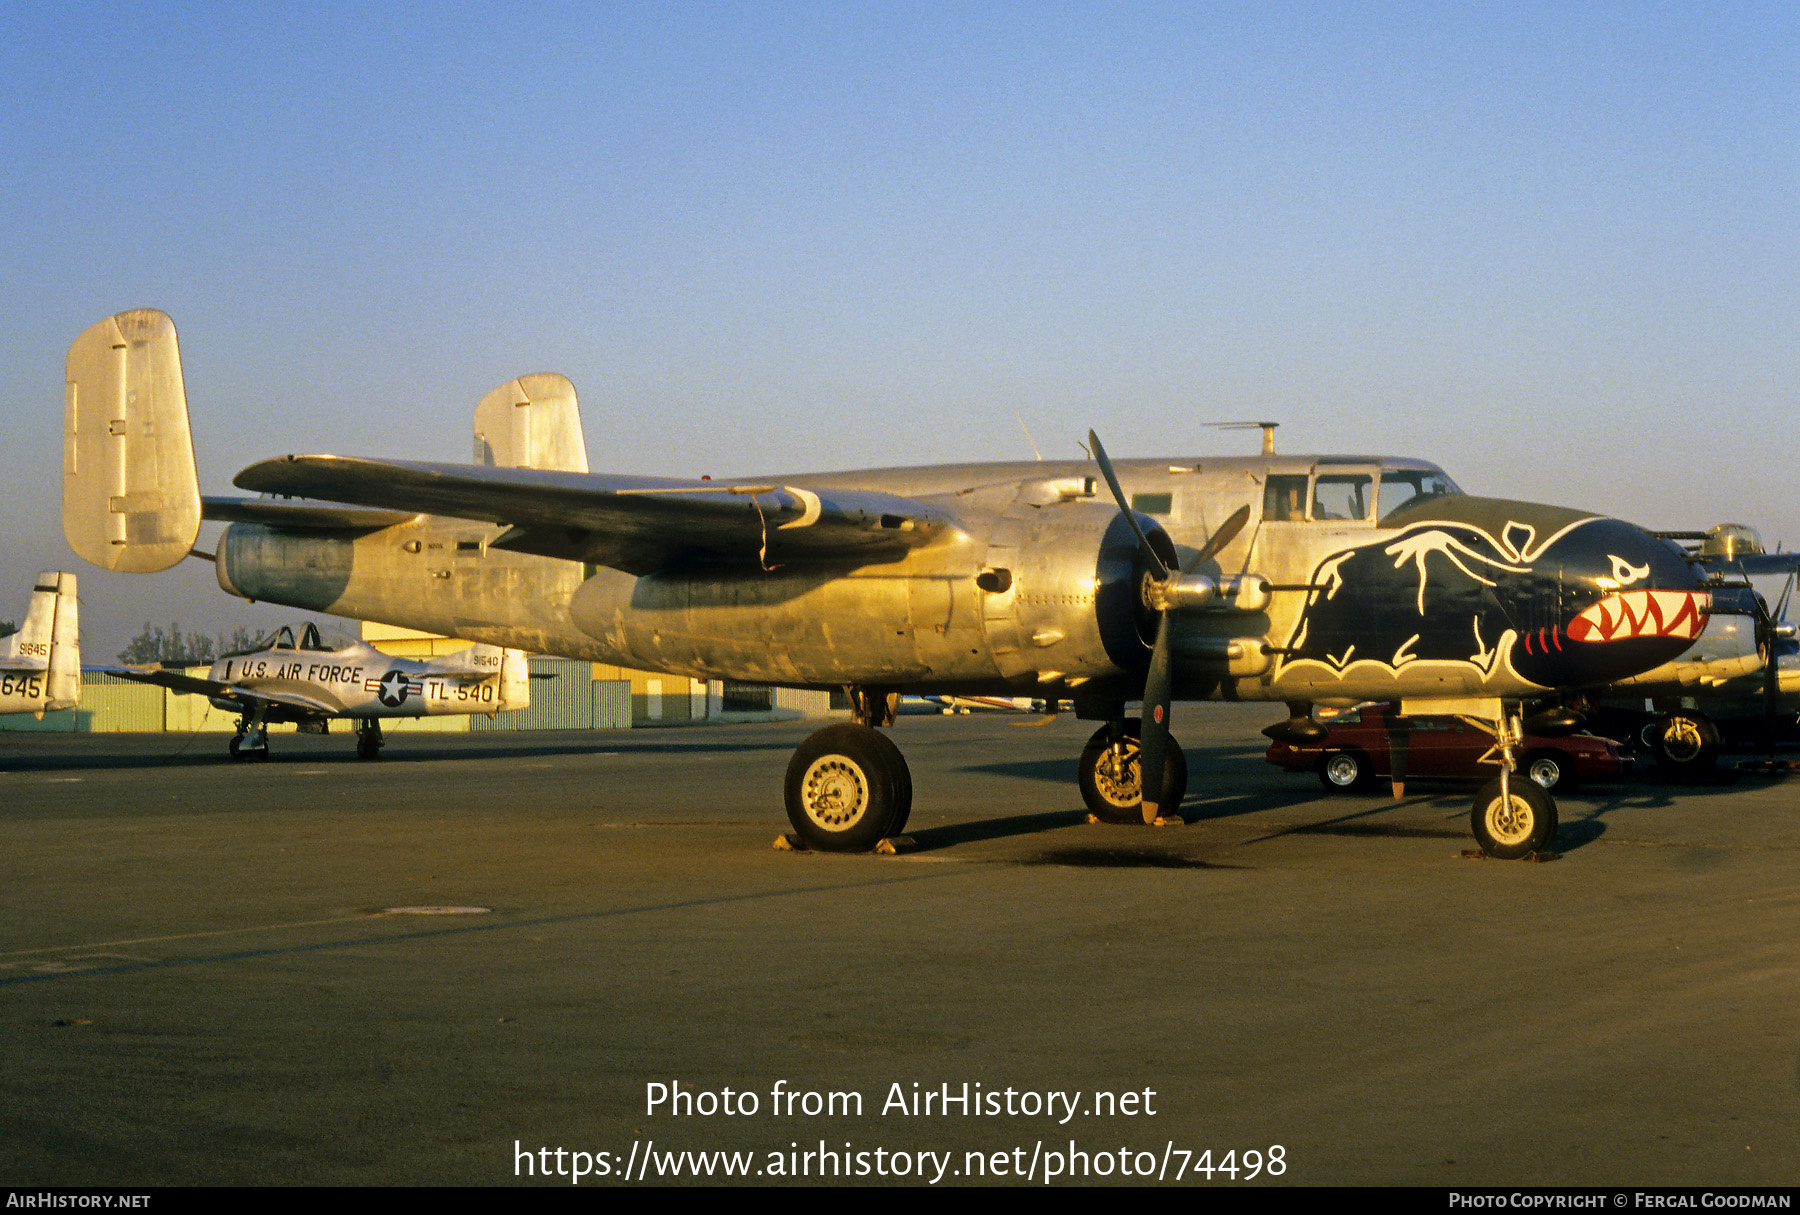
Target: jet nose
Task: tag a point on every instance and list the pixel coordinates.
(1627, 602)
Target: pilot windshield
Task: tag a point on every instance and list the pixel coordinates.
(1405, 486)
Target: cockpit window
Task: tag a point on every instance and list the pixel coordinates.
(1405, 486)
(1342, 496)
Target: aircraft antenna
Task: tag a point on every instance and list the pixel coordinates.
(1267, 428)
(1028, 438)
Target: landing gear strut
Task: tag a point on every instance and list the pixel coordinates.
(251, 742)
(1110, 777)
(368, 738)
(1513, 816)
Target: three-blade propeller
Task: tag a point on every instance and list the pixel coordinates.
(1159, 587)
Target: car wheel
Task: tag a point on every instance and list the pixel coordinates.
(1548, 770)
(1345, 771)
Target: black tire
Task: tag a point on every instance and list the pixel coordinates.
(1116, 796)
(1346, 771)
(847, 789)
(1549, 770)
(1684, 742)
(1528, 827)
(368, 746)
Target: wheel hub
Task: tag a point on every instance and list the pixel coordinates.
(1116, 776)
(835, 792)
(1681, 740)
(1509, 819)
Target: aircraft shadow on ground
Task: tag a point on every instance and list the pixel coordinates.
(209, 751)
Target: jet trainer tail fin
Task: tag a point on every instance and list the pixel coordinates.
(531, 422)
(515, 681)
(49, 641)
(131, 499)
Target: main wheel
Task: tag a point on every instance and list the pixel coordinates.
(1342, 771)
(368, 745)
(1522, 824)
(1548, 770)
(1111, 785)
(1684, 742)
(848, 788)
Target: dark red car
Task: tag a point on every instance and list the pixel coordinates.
(1355, 752)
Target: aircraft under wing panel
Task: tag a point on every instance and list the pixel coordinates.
(332, 516)
(635, 524)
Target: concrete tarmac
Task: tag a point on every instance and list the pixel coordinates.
(447, 965)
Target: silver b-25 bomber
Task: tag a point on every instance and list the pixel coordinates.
(1299, 580)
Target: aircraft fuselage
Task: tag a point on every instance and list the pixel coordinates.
(1036, 588)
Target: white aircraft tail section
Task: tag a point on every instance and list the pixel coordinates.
(131, 500)
(40, 665)
(531, 422)
(515, 681)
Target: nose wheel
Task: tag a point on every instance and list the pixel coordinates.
(1514, 814)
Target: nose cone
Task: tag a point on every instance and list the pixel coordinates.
(1624, 602)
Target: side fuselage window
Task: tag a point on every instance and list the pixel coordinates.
(1342, 496)
(1284, 498)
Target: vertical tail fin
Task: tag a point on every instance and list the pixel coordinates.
(46, 649)
(531, 422)
(515, 681)
(131, 499)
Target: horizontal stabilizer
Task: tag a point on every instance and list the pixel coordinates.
(131, 501)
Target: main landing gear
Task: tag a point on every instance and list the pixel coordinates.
(1111, 778)
(848, 787)
(251, 742)
(368, 738)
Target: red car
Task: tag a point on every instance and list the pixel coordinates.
(1355, 752)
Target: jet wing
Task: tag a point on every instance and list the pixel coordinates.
(635, 524)
(194, 685)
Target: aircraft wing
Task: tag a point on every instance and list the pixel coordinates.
(309, 515)
(196, 686)
(635, 524)
(1759, 563)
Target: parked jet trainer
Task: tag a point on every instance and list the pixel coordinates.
(40, 665)
(300, 675)
(1298, 579)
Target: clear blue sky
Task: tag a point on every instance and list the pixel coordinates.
(1554, 247)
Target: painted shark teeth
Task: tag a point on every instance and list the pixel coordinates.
(1643, 614)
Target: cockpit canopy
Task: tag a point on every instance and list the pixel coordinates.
(1360, 491)
(303, 637)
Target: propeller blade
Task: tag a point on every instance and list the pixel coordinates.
(1154, 731)
(1216, 543)
(1157, 568)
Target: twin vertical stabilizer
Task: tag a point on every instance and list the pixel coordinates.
(131, 500)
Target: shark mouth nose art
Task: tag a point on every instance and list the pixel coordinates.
(1628, 614)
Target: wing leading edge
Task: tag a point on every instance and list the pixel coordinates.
(635, 524)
